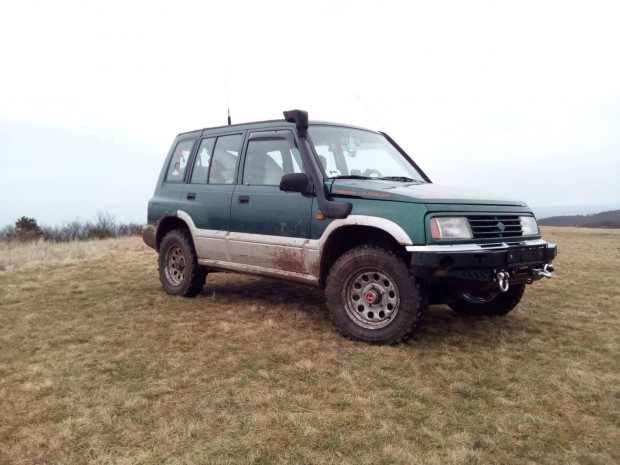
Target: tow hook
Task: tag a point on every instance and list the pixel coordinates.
(547, 271)
(502, 281)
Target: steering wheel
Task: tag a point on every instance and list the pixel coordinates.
(372, 173)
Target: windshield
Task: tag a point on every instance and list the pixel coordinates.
(348, 152)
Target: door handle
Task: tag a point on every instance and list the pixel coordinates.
(244, 199)
(191, 196)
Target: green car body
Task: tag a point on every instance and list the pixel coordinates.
(335, 206)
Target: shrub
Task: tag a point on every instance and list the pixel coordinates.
(7, 232)
(26, 229)
(104, 227)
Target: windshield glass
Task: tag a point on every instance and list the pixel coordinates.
(348, 152)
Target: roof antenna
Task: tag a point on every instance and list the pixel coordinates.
(227, 97)
(369, 111)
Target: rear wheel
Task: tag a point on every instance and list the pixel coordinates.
(372, 297)
(179, 271)
(489, 303)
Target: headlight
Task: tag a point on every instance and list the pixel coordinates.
(450, 227)
(529, 225)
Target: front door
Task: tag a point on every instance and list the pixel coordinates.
(270, 228)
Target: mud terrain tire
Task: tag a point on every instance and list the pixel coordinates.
(493, 303)
(179, 271)
(372, 297)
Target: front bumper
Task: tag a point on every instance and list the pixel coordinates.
(474, 267)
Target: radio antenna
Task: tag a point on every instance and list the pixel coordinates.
(227, 97)
(369, 111)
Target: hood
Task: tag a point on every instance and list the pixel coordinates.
(425, 193)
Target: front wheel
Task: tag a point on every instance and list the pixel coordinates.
(372, 297)
(489, 303)
(179, 271)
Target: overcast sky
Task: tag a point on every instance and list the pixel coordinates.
(517, 98)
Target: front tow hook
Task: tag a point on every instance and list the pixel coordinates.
(502, 281)
(547, 271)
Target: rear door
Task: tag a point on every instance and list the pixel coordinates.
(207, 196)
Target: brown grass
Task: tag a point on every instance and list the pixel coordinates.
(98, 365)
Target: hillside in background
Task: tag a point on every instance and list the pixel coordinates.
(610, 219)
(571, 210)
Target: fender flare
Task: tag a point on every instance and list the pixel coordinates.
(391, 228)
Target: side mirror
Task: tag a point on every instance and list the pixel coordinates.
(296, 182)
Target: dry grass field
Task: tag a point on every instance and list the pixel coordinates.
(98, 365)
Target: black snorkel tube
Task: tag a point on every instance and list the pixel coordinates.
(330, 208)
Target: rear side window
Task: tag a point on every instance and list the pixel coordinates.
(203, 161)
(178, 162)
(224, 160)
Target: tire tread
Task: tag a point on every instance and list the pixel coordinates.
(349, 329)
(197, 275)
(502, 305)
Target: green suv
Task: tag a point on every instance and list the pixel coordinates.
(344, 209)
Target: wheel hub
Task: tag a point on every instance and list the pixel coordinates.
(175, 265)
(371, 298)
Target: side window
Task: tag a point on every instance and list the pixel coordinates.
(266, 161)
(224, 159)
(178, 162)
(203, 161)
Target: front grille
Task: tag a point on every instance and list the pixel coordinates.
(495, 227)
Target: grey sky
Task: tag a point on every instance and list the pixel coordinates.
(520, 98)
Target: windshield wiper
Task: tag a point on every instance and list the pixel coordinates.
(400, 178)
(350, 176)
